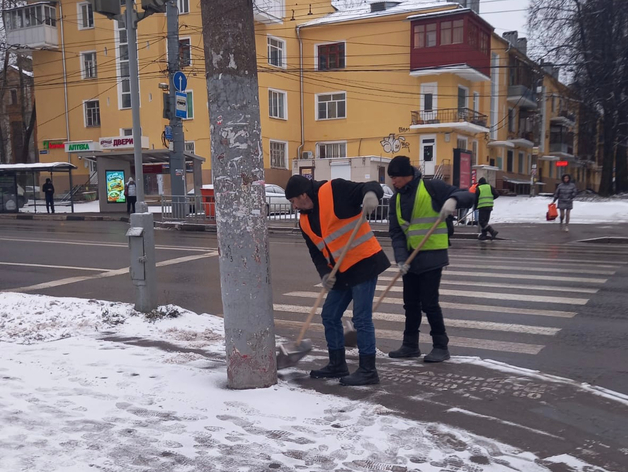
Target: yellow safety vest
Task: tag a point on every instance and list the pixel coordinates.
(423, 218)
(486, 196)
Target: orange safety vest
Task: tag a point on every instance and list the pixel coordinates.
(473, 188)
(335, 233)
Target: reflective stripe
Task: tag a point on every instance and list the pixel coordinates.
(421, 232)
(430, 220)
(485, 198)
(356, 242)
(344, 230)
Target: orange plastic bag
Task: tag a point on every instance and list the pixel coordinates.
(552, 212)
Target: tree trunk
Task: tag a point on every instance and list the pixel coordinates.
(28, 133)
(238, 175)
(621, 160)
(608, 157)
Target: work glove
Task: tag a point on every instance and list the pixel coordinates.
(449, 208)
(370, 202)
(403, 267)
(328, 282)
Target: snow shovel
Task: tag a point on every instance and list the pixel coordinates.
(408, 261)
(290, 353)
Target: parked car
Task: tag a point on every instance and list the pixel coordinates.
(276, 201)
(381, 213)
(8, 199)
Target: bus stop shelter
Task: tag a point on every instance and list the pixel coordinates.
(12, 195)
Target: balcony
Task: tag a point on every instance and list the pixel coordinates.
(565, 119)
(522, 96)
(461, 119)
(33, 26)
(562, 150)
(522, 139)
(269, 11)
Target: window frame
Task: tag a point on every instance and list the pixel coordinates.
(183, 39)
(272, 92)
(466, 97)
(187, 143)
(13, 95)
(331, 143)
(85, 103)
(183, 2)
(84, 75)
(81, 19)
(119, 64)
(285, 156)
(283, 63)
(317, 55)
(189, 93)
(317, 107)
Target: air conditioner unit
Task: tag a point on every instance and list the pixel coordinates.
(307, 155)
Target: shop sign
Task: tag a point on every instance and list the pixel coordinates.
(120, 142)
(81, 146)
(562, 163)
(54, 144)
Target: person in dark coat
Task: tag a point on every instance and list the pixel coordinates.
(49, 192)
(329, 213)
(485, 195)
(565, 194)
(409, 221)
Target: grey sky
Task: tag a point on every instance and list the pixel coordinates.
(505, 15)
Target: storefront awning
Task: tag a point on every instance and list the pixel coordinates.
(516, 181)
(506, 144)
(38, 167)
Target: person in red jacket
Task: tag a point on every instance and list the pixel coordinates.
(329, 213)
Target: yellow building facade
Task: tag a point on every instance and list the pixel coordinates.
(341, 92)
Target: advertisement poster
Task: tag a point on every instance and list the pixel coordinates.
(115, 186)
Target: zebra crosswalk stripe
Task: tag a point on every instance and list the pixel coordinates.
(467, 307)
(553, 278)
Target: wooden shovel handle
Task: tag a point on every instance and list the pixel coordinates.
(321, 295)
(408, 261)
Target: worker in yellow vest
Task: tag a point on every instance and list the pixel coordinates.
(415, 207)
(329, 213)
(485, 195)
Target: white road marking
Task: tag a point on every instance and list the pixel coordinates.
(467, 324)
(553, 262)
(466, 307)
(486, 344)
(47, 266)
(85, 243)
(557, 278)
(503, 296)
(531, 269)
(109, 273)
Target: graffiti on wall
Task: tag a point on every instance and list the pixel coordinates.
(393, 144)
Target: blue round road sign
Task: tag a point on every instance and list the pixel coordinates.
(180, 81)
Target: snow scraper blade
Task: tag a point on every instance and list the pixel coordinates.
(289, 354)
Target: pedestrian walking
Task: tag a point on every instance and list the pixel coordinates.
(49, 193)
(414, 209)
(485, 194)
(330, 211)
(565, 193)
(130, 191)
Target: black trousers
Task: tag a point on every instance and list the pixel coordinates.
(130, 204)
(420, 294)
(50, 203)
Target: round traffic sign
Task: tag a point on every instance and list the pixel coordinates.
(180, 81)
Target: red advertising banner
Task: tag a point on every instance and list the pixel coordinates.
(465, 169)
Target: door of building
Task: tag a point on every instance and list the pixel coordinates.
(428, 155)
(341, 171)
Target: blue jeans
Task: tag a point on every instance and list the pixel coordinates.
(335, 305)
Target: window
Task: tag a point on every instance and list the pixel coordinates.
(331, 150)
(430, 35)
(419, 36)
(331, 106)
(92, 113)
(128, 132)
(473, 36)
(475, 153)
(510, 157)
(462, 143)
(88, 65)
(124, 83)
(184, 6)
(13, 97)
(185, 52)
(190, 97)
(428, 102)
(476, 101)
(331, 56)
(278, 154)
(85, 15)
(484, 42)
(520, 163)
(458, 35)
(277, 104)
(189, 147)
(512, 119)
(445, 33)
(276, 52)
(463, 96)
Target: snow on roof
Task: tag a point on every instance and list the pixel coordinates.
(25, 72)
(364, 11)
(37, 167)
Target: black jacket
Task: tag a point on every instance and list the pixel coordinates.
(440, 192)
(48, 189)
(347, 204)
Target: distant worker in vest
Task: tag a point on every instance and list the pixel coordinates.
(49, 193)
(130, 191)
(414, 209)
(485, 194)
(565, 194)
(329, 212)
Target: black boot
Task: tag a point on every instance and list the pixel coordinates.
(409, 347)
(483, 237)
(493, 232)
(365, 375)
(337, 366)
(440, 352)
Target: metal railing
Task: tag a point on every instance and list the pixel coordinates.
(449, 115)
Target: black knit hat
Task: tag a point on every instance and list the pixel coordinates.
(400, 167)
(298, 185)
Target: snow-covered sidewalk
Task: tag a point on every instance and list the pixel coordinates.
(75, 397)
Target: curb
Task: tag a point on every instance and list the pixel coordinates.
(61, 217)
